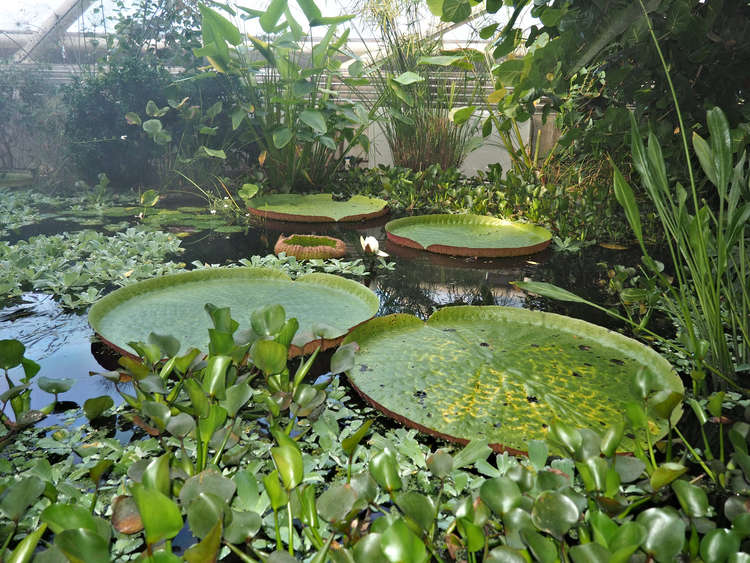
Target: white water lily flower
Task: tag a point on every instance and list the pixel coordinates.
(370, 246)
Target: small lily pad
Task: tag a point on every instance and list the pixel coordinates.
(317, 208)
(468, 235)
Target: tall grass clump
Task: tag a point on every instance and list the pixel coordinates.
(419, 87)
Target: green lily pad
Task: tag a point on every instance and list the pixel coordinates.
(468, 235)
(317, 208)
(501, 374)
(174, 305)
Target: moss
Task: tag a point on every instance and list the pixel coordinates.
(311, 240)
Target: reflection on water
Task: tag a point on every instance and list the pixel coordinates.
(420, 283)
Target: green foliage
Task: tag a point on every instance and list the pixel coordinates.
(101, 140)
(60, 265)
(286, 103)
(566, 205)
(425, 93)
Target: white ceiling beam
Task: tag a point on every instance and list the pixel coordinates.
(52, 29)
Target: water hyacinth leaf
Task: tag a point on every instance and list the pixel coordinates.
(175, 304)
(693, 499)
(474, 451)
(350, 443)
(268, 320)
(125, 516)
(554, 513)
(95, 407)
(100, 469)
(248, 191)
(665, 533)
(207, 549)
(55, 385)
(152, 384)
(384, 469)
(288, 461)
(501, 494)
(665, 474)
(717, 545)
(542, 548)
(214, 377)
(269, 356)
(468, 235)
(440, 464)
(167, 343)
(11, 353)
(336, 502)
(419, 508)
(538, 452)
(502, 374)
(20, 495)
(589, 553)
(236, 397)
(472, 534)
(156, 475)
(629, 468)
(400, 544)
(612, 438)
(159, 413)
(280, 557)
(343, 358)
(626, 541)
(204, 512)
(368, 549)
(160, 515)
(26, 548)
(244, 525)
(209, 481)
(180, 425)
(82, 544)
(443, 60)
(306, 510)
(317, 208)
(504, 554)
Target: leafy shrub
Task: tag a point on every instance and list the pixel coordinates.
(100, 138)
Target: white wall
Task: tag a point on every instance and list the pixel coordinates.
(490, 152)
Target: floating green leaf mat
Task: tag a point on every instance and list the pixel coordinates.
(500, 373)
(468, 235)
(317, 208)
(174, 305)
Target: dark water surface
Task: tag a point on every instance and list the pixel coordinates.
(421, 282)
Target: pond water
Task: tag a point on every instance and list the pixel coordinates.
(421, 282)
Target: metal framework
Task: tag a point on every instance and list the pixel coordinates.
(52, 29)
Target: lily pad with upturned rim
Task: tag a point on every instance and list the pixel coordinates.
(468, 235)
(317, 208)
(500, 373)
(307, 247)
(174, 305)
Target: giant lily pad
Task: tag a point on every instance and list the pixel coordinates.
(500, 373)
(317, 208)
(174, 305)
(468, 235)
